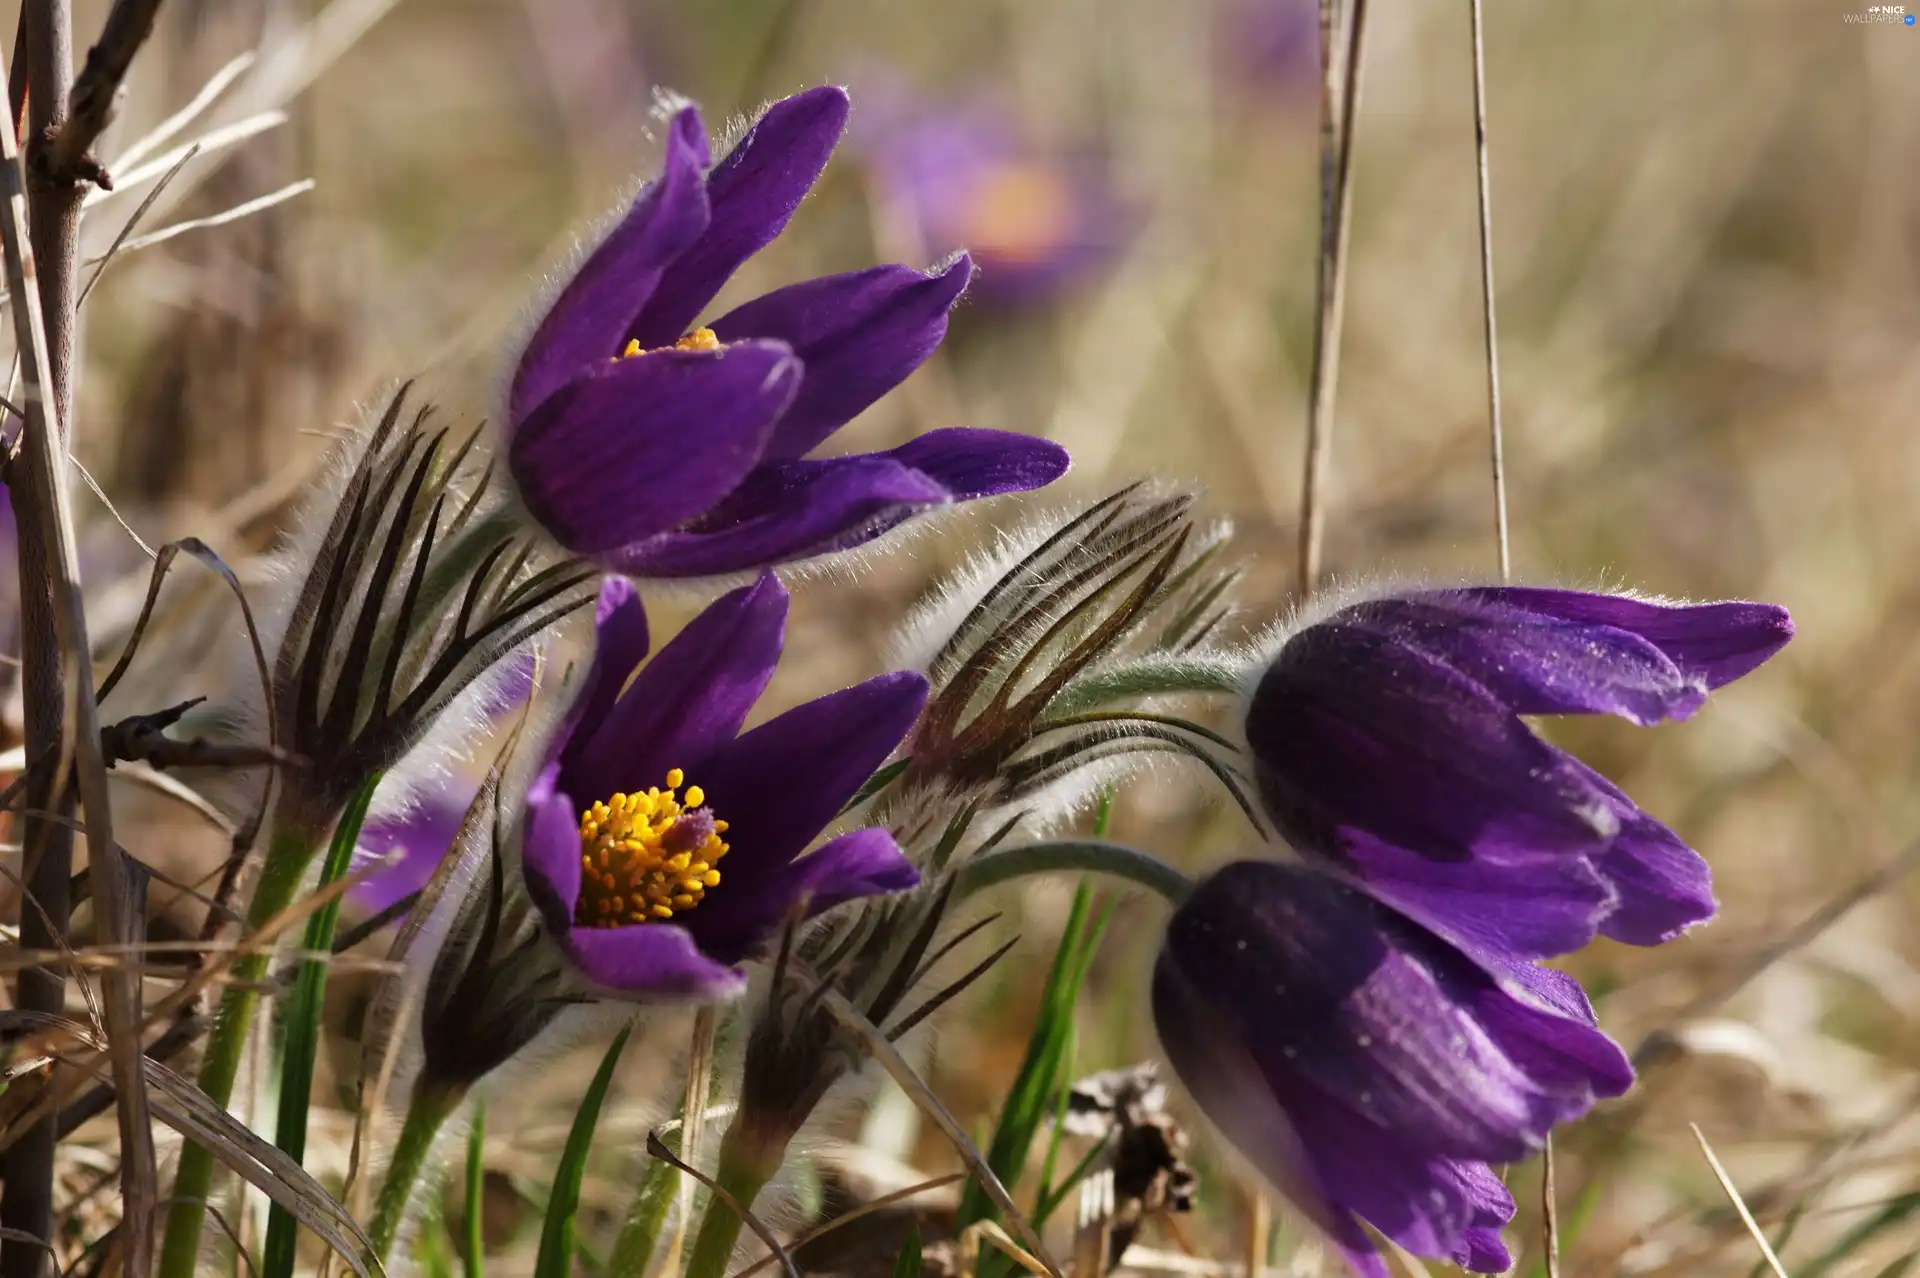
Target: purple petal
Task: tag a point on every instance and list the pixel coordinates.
(653, 961)
(586, 322)
(781, 784)
(1570, 1056)
(753, 192)
(1529, 908)
(1429, 1204)
(619, 646)
(1664, 886)
(789, 511)
(859, 335)
(637, 446)
(550, 847)
(1540, 664)
(1544, 987)
(1716, 642)
(1482, 1249)
(737, 917)
(1355, 735)
(972, 463)
(688, 701)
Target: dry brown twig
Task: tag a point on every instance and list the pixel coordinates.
(68, 154)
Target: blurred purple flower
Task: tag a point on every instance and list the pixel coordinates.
(961, 178)
(1365, 1066)
(644, 792)
(418, 835)
(417, 839)
(660, 452)
(1388, 740)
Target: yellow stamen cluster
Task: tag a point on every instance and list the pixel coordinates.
(636, 865)
(700, 339)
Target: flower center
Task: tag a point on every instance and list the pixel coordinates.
(644, 856)
(1021, 213)
(700, 339)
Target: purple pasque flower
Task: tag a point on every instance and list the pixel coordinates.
(959, 175)
(1388, 739)
(1367, 1067)
(663, 452)
(661, 842)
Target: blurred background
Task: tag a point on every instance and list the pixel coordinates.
(1707, 224)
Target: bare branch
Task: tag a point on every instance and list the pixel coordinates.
(69, 158)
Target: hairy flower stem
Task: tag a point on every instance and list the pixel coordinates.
(748, 1161)
(1086, 856)
(289, 854)
(426, 1115)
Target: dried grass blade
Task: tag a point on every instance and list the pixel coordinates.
(864, 1209)
(851, 1019)
(1339, 104)
(987, 1231)
(216, 140)
(693, 1125)
(126, 228)
(1739, 1204)
(658, 1148)
(170, 127)
(186, 1109)
(258, 204)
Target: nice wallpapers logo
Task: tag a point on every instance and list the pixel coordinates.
(1877, 13)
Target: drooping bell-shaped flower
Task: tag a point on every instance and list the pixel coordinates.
(1367, 1067)
(663, 844)
(1388, 739)
(659, 449)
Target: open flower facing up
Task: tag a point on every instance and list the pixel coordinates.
(661, 845)
(1388, 740)
(1367, 1067)
(662, 450)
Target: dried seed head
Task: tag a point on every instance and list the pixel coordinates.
(1125, 1110)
